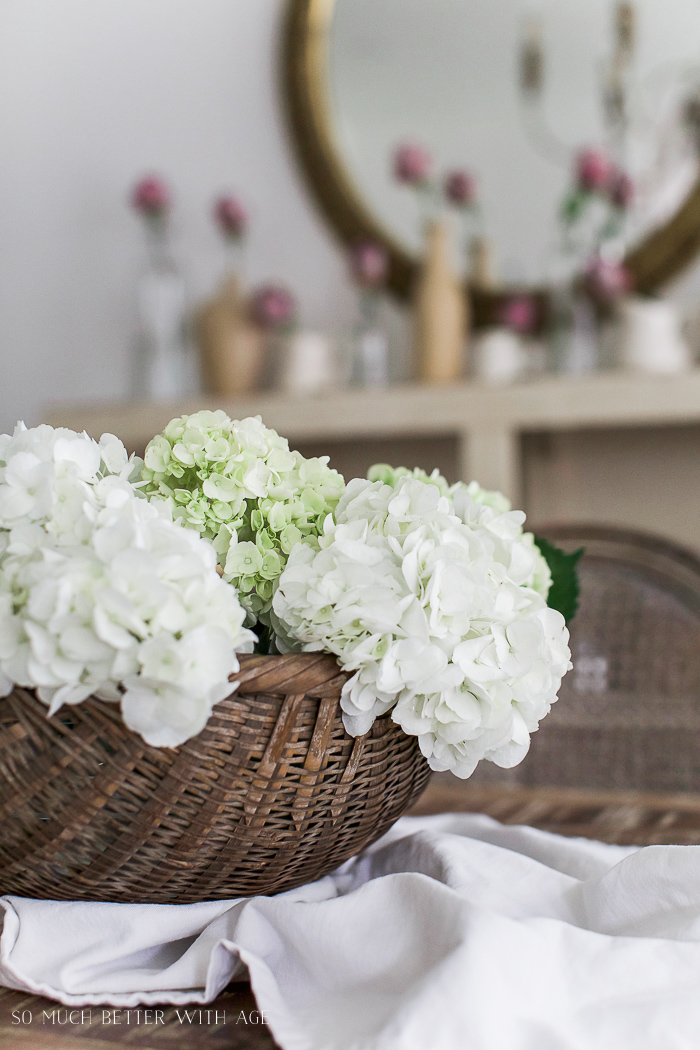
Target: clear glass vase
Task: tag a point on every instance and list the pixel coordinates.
(572, 329)
(164, 366)
(369, 346)
(573, 332)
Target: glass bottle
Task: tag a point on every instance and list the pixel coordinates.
(164, 367)
(572, 322)
(370, 349)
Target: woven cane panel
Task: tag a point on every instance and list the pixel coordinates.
(273, 793)
(628, 715)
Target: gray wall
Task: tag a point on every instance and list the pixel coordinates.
(93, 93)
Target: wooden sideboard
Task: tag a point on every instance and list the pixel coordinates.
(615, 447)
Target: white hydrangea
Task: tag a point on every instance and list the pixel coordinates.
(102, 592)
(540, 578)
(427, 596)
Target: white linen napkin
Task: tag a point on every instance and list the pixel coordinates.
(450, 932)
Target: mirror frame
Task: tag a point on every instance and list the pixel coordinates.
(666, 251)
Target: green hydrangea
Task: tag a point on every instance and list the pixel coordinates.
(238, 484)
(390, 475)
(484, 497)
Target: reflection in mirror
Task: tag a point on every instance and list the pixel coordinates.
(512, 90)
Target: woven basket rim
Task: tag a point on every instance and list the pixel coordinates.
(276, 674)
(261, 677)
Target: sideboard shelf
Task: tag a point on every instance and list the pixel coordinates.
(487, 423)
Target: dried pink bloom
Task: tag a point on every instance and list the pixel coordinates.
(369, 263)
(621, 189)
(151, 195)
(593, 170)
(460, 188)
(519, 314)
(231, 216)
(273, 306)
(412, 164)
(607, 280)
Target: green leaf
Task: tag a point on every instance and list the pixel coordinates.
(573, 206)
(564, 592)
(264, 635)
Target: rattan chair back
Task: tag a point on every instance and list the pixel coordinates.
(628, 715)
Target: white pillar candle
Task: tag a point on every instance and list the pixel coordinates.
(308, 366)
(497, 356)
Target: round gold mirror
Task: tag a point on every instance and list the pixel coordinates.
(361, 76)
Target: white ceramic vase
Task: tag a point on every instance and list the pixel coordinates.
(650, 337)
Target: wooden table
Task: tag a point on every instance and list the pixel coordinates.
(627, 817)
(610, 816)
(231, 1022)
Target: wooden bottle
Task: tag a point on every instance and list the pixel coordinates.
(482, 269)
(441, 313)
(231, 344)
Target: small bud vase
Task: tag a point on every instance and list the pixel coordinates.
(573, 332)
(440, 313)
(164, 367)
(231, 344)
(370, 348)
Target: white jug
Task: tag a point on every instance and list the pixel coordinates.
(650, 337)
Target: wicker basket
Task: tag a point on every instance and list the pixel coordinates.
(273, 793)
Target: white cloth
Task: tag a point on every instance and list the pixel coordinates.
(450, 932)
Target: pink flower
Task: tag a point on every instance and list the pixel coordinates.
(369, 263)
(151, 196)
(621, 189)
(593, 170)
(460, 188)
(231, 216)
(607, 280)
(273, 306)
(519, 313)
(412, 164)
